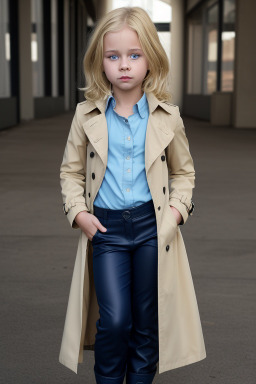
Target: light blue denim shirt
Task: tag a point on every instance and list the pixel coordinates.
(125, 184)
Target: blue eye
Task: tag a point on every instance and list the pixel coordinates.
(134, 56)
(111, 57)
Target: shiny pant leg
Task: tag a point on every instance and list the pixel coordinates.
(125, 276)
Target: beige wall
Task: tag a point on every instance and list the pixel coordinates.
(177, 51)
(108, 6)
(245, 68)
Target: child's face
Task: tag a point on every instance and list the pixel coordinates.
(123, 56)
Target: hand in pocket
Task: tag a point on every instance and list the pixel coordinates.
(177, 214)
(89, 224)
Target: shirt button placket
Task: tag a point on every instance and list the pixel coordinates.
(127, 177)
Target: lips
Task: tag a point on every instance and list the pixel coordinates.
(125, 77)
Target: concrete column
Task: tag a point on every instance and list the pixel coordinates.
(177, 51)
(66, 55)
(25, 63)
(245, 63)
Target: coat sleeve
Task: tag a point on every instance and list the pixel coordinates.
(73, 171)
(181, 170)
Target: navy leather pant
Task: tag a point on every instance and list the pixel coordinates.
(125, 261)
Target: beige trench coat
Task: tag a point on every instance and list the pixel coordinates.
(180, 334)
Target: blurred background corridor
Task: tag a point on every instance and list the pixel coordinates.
(210, 44)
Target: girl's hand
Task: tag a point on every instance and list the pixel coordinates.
(89, 224)
(176, 214)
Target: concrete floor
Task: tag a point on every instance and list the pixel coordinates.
(38, 251)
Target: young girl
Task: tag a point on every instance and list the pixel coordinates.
(127, 178)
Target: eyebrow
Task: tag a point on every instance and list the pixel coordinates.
(133, 49)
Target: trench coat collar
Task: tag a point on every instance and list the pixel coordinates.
(158, 134)
(153, 102)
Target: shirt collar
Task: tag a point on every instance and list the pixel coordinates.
(141, 106)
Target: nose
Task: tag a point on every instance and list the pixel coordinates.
(124, 65)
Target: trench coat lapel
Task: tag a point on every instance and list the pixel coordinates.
(157, 139)
(158, 135)
(97, 132)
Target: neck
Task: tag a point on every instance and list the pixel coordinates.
(126, 99)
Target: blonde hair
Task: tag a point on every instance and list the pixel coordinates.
(156, 80)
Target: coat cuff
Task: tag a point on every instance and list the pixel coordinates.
(184, 205)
